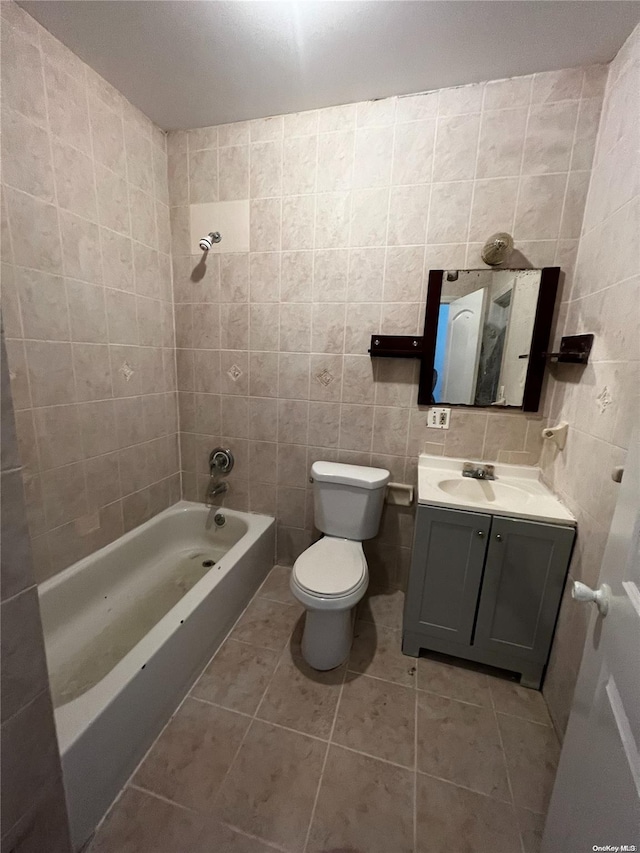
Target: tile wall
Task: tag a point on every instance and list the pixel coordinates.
(600, 402)
(33, 811)
(87, 299)
(349, 208)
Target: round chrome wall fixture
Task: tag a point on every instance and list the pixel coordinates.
(497, 249)
(221, 460)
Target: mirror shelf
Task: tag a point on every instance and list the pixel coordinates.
(485, 339)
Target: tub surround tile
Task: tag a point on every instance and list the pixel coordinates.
(118, 185)
(15, 558)
(44, 826)
(29, 757)
(24, 668)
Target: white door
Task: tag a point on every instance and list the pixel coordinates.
(464, 338)
(596, 798)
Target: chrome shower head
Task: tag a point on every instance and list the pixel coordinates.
(207, 242)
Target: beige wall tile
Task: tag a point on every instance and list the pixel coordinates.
(455, 147)
(27, 169)
(34, 232)
(349, 207)
(501, 142)
(67, 106)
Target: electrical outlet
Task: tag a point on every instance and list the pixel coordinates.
(438, 418)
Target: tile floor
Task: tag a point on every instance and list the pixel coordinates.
(386, 754)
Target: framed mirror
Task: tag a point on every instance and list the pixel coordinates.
(485, 337)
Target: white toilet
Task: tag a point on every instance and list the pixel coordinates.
(331, 576)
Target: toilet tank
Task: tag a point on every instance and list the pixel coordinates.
(348, 499)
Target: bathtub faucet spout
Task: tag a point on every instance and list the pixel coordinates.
(215, 489)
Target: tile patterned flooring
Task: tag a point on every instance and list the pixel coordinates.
(386, 754)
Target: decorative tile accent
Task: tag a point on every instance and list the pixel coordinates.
(604, 399)
(127, 371)
(234, 372)
(324, 377)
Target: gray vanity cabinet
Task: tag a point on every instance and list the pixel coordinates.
(486, 588)
(446, 571)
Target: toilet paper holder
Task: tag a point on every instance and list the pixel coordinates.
(399, 494)
(557, 434)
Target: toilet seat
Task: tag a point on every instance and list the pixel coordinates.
(331, 568)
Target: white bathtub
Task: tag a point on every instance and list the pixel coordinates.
(129, 628)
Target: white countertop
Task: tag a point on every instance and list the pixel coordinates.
(517, 491)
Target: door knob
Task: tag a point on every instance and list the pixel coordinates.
(499, 537)
(582, 592)
(480, 533)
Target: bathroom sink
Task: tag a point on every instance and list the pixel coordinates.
(517, 491)
(484, 491)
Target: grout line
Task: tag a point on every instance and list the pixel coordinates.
(475, 179)
(221, 707)
(565, 195)
(506, 767)
(388, 761)
(71, 342)
(524, 144)
(253, 717)
(465, 788)
(263, 841)
(453, 699)
(326, 756)
(160, 797)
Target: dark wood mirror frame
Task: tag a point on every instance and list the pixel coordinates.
(424, 348)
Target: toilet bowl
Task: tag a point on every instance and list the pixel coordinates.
(329, 579)
(331, 576)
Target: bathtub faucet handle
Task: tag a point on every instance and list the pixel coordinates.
(220, 461)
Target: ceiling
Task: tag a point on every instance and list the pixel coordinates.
(193, 63)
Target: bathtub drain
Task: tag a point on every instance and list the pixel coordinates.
(208, 563)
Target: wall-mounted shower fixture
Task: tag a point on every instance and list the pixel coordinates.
(207, 242)
(220, 461)
(497, 249)
(220, 464)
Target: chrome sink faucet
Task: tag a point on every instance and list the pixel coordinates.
(478, 472)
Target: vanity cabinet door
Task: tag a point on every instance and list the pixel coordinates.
(446, 571)
(523, 580)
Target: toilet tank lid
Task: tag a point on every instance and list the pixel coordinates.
(350, 475)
